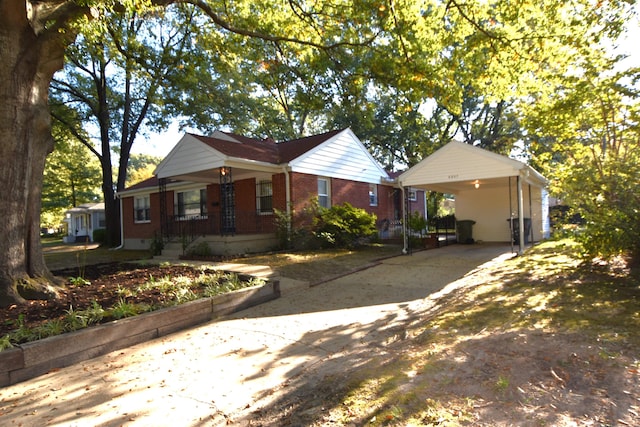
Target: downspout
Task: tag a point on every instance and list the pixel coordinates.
(287, 192)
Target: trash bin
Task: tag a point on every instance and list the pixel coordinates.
(514, 225)
(465, 230)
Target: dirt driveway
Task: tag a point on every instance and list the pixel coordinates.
(222, 372)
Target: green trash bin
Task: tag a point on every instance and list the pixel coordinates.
(465, 231)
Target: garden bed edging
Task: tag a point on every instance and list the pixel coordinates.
(32, 359)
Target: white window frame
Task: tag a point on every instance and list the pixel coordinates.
(326, 195)
(264, 190)
(412, 195)
(373, 194)
(145, 208)
(192, 214)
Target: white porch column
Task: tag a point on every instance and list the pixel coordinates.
(520, 216)
(405, 236)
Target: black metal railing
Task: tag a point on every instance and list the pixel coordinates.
(189, 228)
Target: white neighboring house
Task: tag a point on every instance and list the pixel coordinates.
(82, 221)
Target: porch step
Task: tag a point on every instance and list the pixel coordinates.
(171, 252)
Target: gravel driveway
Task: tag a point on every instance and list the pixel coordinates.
(222, 371)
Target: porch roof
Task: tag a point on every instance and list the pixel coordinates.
(87, 208)
(458, 166)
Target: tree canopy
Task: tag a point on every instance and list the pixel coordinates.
(301, 65)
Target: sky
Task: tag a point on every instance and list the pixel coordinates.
(160, 144)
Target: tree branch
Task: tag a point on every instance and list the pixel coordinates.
(218, 20)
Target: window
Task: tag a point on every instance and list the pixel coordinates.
(142, 209)
(191, 203)
(264, 197)
(373, 195)
(323, 193)
(412, 195)
(102, 223)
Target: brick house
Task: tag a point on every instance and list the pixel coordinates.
(225, 188)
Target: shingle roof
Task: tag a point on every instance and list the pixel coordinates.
(247, 148)
(149, 182)
(266, 150)
(290, 150)
(261, 150)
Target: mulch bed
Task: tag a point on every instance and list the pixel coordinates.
(106, 280)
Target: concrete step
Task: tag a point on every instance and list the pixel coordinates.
(171, 252)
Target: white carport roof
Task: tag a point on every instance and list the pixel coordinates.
(458, 166)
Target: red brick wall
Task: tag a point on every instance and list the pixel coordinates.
(245, 191)
(304, 188)
(146, 230)
(279, 192)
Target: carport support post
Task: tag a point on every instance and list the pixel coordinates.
(405, 226)
(520, 216)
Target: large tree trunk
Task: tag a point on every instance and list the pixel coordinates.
(28, 63)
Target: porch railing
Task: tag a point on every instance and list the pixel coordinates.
(188, 228)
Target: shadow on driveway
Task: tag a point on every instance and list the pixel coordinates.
(270, 357)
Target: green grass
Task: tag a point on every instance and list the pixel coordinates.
(58, 256)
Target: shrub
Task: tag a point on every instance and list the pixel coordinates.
(157, 244)
(283, 222)
(345, 226)
(417, 223)
(100, 235)
(201, 249)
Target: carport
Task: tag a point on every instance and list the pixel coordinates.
(494, 191)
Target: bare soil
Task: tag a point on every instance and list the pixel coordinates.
(105, 284)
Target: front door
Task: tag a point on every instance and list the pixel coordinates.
(81, 226)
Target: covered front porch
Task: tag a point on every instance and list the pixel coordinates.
(225, 201)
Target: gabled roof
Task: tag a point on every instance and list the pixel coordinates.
(245, 148)
(87, 208)
(458, 163)
(338, 153)
(289, 150)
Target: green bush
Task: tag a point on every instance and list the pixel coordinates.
(201, 249)
(344, 226)
(100, 235)
(283, 228)
(157, 244)
(417, 223)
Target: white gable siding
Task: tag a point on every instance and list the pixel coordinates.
(342, 156)
(454, 163)
(188, 156)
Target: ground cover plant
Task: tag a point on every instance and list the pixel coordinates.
(105, 285)
(111, 291)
